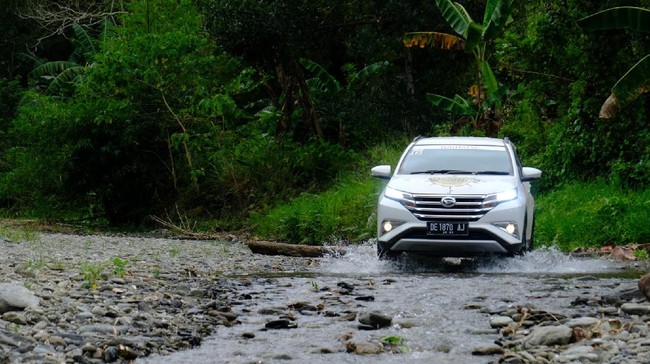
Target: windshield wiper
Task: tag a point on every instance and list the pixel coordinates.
(443, 171)
(496, 173)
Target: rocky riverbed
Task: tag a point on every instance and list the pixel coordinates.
(94, 299)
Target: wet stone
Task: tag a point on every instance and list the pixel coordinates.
(280, 324)
(500, 321)
(635, 308)
(375, 319)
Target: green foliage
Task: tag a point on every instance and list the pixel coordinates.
(341, 213)
(119, 266)
(483, 106)
(636, 81)
(92, 274)
(562, 76)
(592, 214)
(397, 344)
(345, 211)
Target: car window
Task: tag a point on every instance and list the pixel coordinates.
(456, 159)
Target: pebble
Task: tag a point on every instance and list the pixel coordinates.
(169, 299)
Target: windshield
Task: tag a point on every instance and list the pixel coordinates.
(456, 159)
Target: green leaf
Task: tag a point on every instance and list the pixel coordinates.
(489, 80)
(632, 85)
(494, 99)
(457, 105)
(625, 17)
(455, 15)
(497, 14)
(86, 45)
(324, 81)
(368, 71)
(474, 35)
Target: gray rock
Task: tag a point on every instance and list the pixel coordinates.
(582, 322)
(14, 297)
(14, 317)
(375, 319)
(500, 321)
(488, 350)
(635, 308)
(362, 347)
(549, 336)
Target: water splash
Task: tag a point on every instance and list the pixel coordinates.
(362, 259)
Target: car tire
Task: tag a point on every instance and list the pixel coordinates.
(526, 245)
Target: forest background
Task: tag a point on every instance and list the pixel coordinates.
(266, 116)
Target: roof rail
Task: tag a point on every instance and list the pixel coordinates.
(506, 140)
(416, 138)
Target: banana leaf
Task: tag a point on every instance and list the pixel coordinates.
(448, 42)
(457, 105)
(497, 14)
(632, 85)
(455, 15)
(624, 17)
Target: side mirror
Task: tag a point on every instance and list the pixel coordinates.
(382, 172)
(530, 174)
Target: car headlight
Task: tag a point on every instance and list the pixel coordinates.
(495, 199)
(404, 198)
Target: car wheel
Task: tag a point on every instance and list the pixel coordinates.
(532, 236)
(525, 245)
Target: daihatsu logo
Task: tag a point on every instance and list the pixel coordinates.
(448, 201)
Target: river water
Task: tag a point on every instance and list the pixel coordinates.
(440, 310)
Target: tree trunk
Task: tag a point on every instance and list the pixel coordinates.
(293, 250)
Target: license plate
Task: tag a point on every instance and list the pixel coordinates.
(447, 228)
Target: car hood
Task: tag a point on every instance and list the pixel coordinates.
(453, 184)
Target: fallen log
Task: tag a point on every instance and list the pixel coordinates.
(293, 250)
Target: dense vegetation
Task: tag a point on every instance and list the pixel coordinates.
(268, 115)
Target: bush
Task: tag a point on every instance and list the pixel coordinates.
(593, 214)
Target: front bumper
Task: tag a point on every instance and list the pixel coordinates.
(410, 234)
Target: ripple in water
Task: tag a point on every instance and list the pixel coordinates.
(362, 259)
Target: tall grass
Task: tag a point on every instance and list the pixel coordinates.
(346, 211)
(592, 214)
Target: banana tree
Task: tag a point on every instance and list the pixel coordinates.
(636, 81)
(472, 37)
(58, 77)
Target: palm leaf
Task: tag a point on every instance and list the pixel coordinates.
(624, 17)
(457, 105)
(69, 76)
(633, 84)
(497, 14)
(444, 41)
(368, 71)
(51, 68)
(85, 43)
(323, 80)
(455, 15)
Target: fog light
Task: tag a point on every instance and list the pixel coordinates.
(508, 227)
(388, 226)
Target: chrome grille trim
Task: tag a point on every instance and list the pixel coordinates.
(429, 207)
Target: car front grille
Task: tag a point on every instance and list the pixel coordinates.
(430, 207)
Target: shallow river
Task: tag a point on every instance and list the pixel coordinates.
(440, 310)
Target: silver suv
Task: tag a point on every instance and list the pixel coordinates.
(456, 197)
